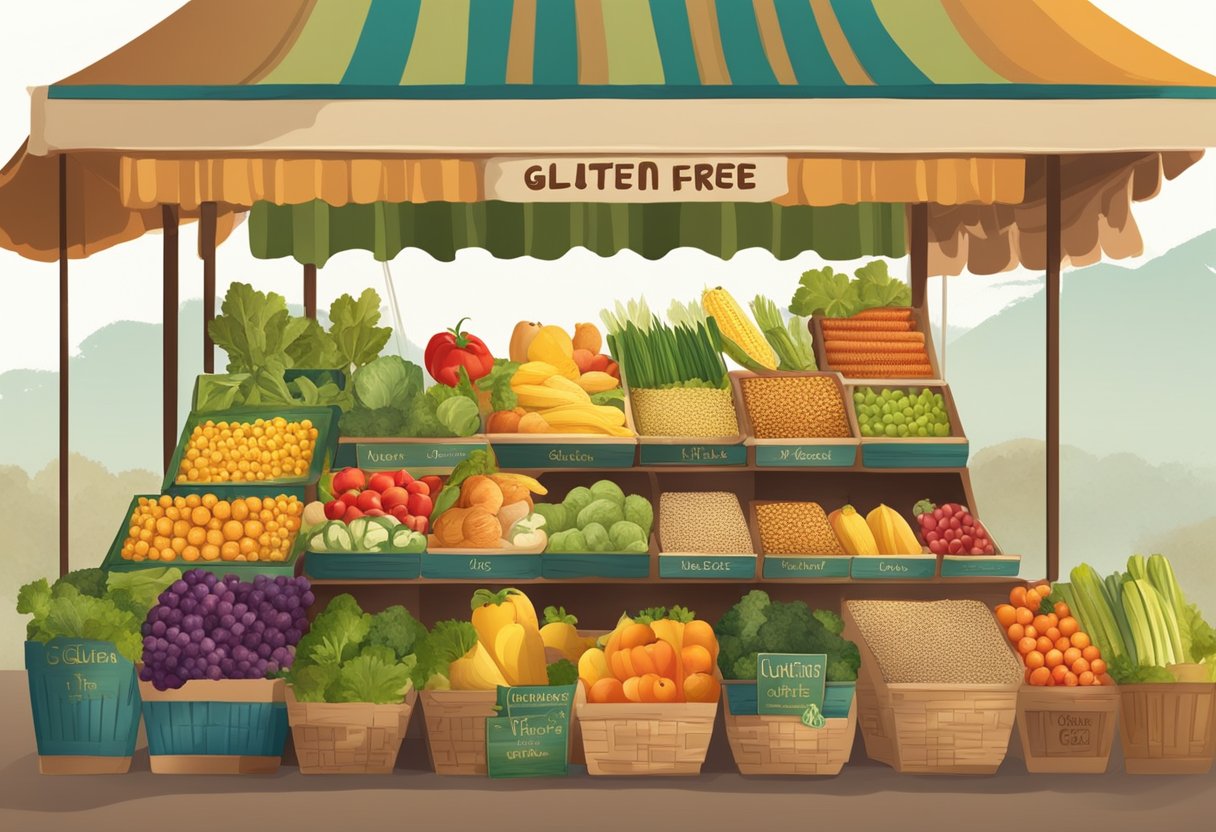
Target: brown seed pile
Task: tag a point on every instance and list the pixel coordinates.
(703, 522)
(685, 411)
(795, 407)
(936, 642)
(796, 529)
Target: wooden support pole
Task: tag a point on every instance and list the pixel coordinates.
(1054, 261)
(918, 252)
(310, 291)
(206, 249)
(64, 346)
(169, 315)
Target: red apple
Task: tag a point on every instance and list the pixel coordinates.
(369, 500)
(334, 509)
(381, 482)
(349, 479)
(352, 513)
(434, 483)
(374, 512)
(402, 478)
(349, 497)
(418, 487)
(401, 512)
(395, 496)
(420, 505)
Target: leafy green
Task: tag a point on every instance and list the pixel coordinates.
(791, 343)
(446, 642)
(396, 629)
(614, 396)
(459, 415)
(254, 329)
(388, 381)
(653, 354)
(1125, 672)
(370, 678)
(757, 624)
(497, 383)
(825, 292)
(356, 338)
(143, 586)
(879, 289)
(314, 348)
(336, 635)
(93, 582)
(562, 672)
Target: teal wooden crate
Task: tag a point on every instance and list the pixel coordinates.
(549, 454)
(743, 700)
(564, 567)
(692, 453)
(115, 562)
(981, 566)
(471, 566)
(410, 454)
(807, 567)
(804, 455)
(228, 718)
(914, 453)
(84, 698)
(368, 566)
(324, 419)
(707, 567)
(894, 567)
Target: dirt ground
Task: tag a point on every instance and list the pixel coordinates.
(866, 796)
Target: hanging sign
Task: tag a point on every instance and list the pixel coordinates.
(789, 684)
(634, 179)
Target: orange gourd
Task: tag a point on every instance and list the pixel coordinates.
(636, 635)
(665, 690)
(479, 491)
(593, 668)
(607, 691)
(449, 527)
(631, 687)
(481, 528)
(701, 687)
(621, 664)
(521, 339)
(503, 421)
(699, 632)
(697, 659)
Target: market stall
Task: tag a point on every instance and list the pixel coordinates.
(1016, 135)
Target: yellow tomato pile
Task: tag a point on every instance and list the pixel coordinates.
(1050, 642)
(207, 528)
(248, 451)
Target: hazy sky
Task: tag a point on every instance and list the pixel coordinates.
(52, 38)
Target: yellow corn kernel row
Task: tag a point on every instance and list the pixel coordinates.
(737, 327)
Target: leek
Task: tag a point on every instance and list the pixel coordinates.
(1096, 615)
(1114, 589)
(1137, 618)
(1161, 575)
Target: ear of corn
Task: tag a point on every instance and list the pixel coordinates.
(892, 533)
(741, 339)
(853, 532)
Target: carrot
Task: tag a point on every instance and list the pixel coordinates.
(851, 359)
(871, 346)
(885, 313)
(864, 335)
(886, 371)
(836, 324)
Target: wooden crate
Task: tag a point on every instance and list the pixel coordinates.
(456, 729)
(798, 452)
(920, 317)
(782, 745)
(649, 739)
(348, 737)
(931, 729)
(1067, 730)
(1168, 728)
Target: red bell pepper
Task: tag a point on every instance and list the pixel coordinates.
(447, 352)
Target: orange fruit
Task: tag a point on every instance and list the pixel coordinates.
(1079, 666)
(1098, 667)
(233, 530)
(1062, 610)
(1026, 645)
(1041, 623)
(1015, 632)
(1068, 625)
(1054, 658)
(1053, 633)
(1053, 620)
(1070, 680)
(1034, 660)
(1058, 673)
(1033, 601)
(1017, 596)
(1071, 655)
(1079, 640)
(1039, 676)
(1043, 644)
(1031, 632)
(1091, 652)
(1024, 616)
(1062, 644)
(1086, 678)
(1006, 615)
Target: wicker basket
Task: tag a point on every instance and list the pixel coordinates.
(348, 737)
(636, 738)
(931, 729)
(764, 744)
(1168, 728)
(1067, 730)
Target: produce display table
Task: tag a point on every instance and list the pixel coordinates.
(719, 799)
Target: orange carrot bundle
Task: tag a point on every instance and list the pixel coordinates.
(854, 359)
(885, 313)
(841, 335)
(834, 346)
(855, 324)
(886, 371)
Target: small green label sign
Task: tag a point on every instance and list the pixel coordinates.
(806, 456)
(531, 737)
(532, 700)
(788, 684)
(382, 456)
(693, 455)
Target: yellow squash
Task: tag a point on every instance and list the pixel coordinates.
(892, 533)
(520, 653)
(533, 372)
(853, 532)
(559, 634)
(552, 345)
(491, 614)
(475, 671)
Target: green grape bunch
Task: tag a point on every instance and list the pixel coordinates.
(901, 413)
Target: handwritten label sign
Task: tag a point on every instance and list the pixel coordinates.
(636, 179)
(710, 567)
(806, 456)
(789, 684)
(907, 567)
(572, 455)
(693, 455)
(532, 737)
(393, 455)
(809, 567)
(472, 566)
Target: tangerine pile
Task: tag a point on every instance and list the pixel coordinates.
(1051, 643)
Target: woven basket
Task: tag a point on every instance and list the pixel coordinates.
(635, 738)
(348, 737)
(1168, 728)
(1067, 730)
(456, 729)
(783, 745)
(931, 729)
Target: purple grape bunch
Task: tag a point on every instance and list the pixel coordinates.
(207, 627)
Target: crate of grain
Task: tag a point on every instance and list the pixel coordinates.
(1067, 730)
(704, 535)
(938, 686)
(893, 344)
(687, 426)
(797, 542)
(909, 427)
(797, 420)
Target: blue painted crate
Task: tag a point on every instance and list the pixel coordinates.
(362, 566)
(546, 453)
(410, 454)
(473, 566)
(807, 567)
(561, 567)
(707, 567)
(894, 567)
(981, 566)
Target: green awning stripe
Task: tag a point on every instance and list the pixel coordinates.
(323, 49)
(675, 43)
(314, 232)
(924, 31)
(441, 44)
(555, 55)
(489, 40)
(881, 56)
(813, 64)
(379, 56)
(741, 43)
(633, 47)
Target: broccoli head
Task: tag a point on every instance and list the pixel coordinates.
(840, 670)
(833, 622)
(786, 628)
(744, 667)
(88, 581)
(562, 672)
(745, 617)
(383, 421)
(396, 629)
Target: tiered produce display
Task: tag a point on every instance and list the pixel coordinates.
(343, 536)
